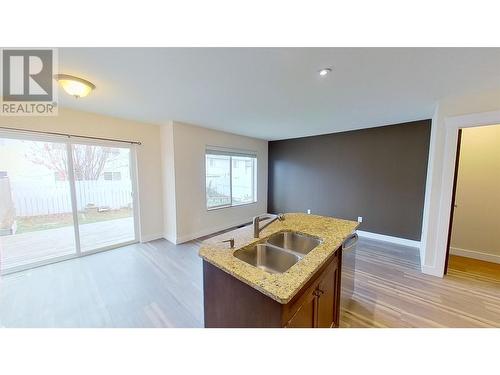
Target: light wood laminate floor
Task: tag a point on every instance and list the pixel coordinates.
(390, 291)
(158, 284)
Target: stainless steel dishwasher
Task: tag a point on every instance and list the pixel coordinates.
(348, 267)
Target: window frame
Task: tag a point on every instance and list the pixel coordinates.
(212, 150)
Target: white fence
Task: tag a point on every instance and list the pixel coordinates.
(46, 198)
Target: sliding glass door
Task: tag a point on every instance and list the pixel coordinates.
(61, 198)
(36, 219)
(104, 195)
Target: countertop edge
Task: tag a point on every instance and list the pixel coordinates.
(311, 273)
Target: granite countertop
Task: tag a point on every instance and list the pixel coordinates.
(281, 287)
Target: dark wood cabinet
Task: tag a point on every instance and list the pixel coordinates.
(305, 315)
(318, 305)
(329, 298)
(229, 302)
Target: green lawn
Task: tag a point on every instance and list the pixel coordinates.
(35, 223)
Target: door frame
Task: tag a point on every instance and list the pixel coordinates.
(452, 126)
(69, 141)
(453, 199)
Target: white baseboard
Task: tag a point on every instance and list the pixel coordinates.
(475, 255)
(151, 237)
(206, 232)
(383, 237)
(404, 242)
(169, 238)
(433, 271)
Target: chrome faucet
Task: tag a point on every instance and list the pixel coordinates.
(256, 222)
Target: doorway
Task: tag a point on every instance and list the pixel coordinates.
(63, 197)
(474, 230)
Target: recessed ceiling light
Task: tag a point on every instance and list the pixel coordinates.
(75, 86)
(323, 72)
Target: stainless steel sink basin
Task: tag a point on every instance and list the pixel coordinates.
(267, 257)
(296, 242)
(280, 252)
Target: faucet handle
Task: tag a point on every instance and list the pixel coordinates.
(231, 242)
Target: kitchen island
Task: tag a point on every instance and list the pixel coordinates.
(240, 294)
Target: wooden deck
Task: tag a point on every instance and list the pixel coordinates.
(22, 249)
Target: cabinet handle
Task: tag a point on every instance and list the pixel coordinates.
(318, 292)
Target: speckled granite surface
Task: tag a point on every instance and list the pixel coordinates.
(280, 287)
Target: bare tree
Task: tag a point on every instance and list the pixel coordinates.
(88, 161)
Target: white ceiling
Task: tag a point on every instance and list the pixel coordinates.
(276, 93)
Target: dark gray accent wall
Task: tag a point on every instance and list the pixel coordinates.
(377, 173)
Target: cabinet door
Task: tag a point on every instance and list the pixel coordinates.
(328, 296)
(305, 316)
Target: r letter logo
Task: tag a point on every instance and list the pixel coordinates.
(27, 82)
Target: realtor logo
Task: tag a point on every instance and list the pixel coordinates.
(27, 82)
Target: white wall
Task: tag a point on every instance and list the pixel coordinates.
(440, 171)
(148, 154)
(192, 219)
(168, 182)
(476, 228)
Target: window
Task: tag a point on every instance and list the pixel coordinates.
(230, 178)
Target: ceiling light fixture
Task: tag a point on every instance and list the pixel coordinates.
(323, 72)
(75, 86)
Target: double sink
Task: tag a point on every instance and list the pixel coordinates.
(279, 252)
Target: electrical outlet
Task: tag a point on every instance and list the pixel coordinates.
(308, 211)
(360, 219)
